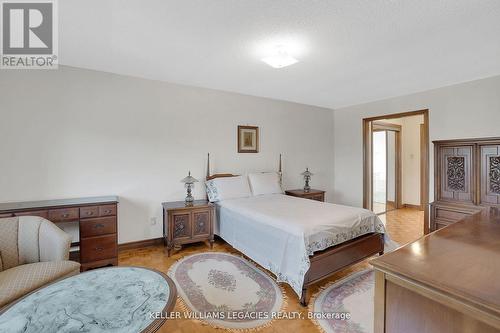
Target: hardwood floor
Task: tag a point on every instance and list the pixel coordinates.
(404, 225)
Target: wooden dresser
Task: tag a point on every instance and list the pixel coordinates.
(187, 224)
(445, 282)
(97, 224)
(467, 179)
(312, 194)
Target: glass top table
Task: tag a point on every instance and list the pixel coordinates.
(115, 299)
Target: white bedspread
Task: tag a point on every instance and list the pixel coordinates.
(280, 232)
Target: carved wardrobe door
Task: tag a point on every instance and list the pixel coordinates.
(490, 174)
(457, 170)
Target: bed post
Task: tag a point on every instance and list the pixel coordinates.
(208, 173)
(303, 297)
(280, 173)
(208, 166)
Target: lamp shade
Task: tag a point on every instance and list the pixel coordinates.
(307, 173)
(189, 179)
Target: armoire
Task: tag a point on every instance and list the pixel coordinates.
(466, 179)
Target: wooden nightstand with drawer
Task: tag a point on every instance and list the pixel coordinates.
(317, 195)
(187, 224)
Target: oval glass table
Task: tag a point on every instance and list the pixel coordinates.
(115, 299)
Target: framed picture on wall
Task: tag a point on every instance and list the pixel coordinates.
(248, 139)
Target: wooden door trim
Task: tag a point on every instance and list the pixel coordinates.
(399, 172)
(424, 155)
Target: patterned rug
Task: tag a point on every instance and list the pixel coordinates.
(351, 297)
(226, 291)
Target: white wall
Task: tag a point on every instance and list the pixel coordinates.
(73, 132)
(466, 110)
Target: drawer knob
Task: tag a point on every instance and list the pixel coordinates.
(107, 211)
(99, 248)
(65, 215)
(90, 213)
(98, 225)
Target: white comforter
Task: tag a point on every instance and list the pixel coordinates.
(280, 232)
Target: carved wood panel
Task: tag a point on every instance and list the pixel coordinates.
(201, 223)
(181, 226)
(490, 174)
(455, 173)
(494, 174)
(456, 169)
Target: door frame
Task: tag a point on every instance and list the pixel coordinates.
(379, 126)
(424, 156)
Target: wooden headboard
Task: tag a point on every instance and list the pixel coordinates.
(222, 175)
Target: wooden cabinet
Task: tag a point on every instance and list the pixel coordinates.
(317, 195)
(187, 224)
(97, 220)
(489, 164)
(467, 179)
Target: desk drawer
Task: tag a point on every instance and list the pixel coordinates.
(97, 226)
(64, 214)
(451, 215)
(107, 210)
(40, 213)
(4, 215)
(441, 224)
(98, 248)
(87, 212)
(317, 197)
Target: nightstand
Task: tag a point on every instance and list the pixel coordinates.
(187, 224)
(317, 195)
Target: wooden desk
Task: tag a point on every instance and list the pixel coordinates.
(97, 223)
(447, 281)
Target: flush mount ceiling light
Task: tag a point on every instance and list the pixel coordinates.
(279, 58)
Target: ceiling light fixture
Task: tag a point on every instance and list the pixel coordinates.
(279, 58)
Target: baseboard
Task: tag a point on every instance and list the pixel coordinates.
(139, 244)
(419, 207)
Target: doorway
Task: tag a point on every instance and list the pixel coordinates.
(386, 170)
(391, 179)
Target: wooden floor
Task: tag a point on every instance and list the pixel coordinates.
(404, 225)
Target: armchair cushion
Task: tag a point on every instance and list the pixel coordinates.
(20, 280)
(53, 242)
(8, 242)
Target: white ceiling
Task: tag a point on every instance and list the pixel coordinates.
(350, 51)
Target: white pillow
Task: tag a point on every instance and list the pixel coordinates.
(219, 189)
(265, 183)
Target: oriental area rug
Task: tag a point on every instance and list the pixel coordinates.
(349, 302)
(226, 291)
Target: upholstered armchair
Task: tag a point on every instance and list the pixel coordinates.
(33, 252)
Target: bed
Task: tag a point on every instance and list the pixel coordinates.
(300, 241)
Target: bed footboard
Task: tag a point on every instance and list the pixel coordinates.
(333, 259)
